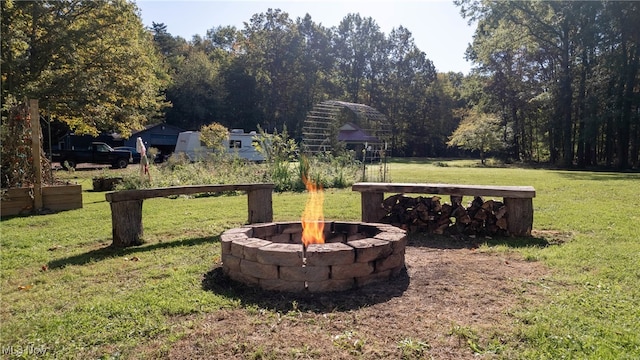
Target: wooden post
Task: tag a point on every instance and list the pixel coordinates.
(371, 203)
(260, 204)
(126, 223)
(34, 114)
(519, 216)
(456, 200)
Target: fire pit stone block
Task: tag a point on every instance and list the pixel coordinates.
(258, 270)
(231, 263)
(398, 240)
(391, 262)
(237, 246)
(305, 273)
(227, 239)
(373, 278)
(290, 227)
(282, 238)
(263, 231)
(346, 227)
(370, 249)
(329, 254)
(349, 271)
(333, 237)
(280, 254)
(251, 248)
(330, 285)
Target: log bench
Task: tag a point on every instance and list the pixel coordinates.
(126, 206)
(517, 199)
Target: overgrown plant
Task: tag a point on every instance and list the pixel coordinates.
(214, 136)
(279, 152)
(16, 138)
(213, 169)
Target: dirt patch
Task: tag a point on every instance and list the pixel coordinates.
(453, 302)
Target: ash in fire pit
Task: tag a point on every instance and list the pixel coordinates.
(273, 257)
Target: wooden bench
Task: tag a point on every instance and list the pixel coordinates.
(517, 199)
(126, 206)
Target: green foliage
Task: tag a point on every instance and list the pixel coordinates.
(328, 170)
(412, 349)
(215, 169)
(350, 341)
(196, 93)
(478, 132)
(95, 302)
(91, 64)
(214, 136)
(17, 155)
(562, 96)
(276, 147)
(272, 72)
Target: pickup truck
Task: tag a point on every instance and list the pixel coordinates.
(97, 153)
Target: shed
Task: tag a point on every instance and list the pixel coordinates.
(356, 125)
(160, 136)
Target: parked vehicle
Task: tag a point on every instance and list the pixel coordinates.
(135, 155)
(244, 145)
(240, 144)
(97, 153)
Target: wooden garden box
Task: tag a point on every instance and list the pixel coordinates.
(16, 201)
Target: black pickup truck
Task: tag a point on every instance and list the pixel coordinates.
(97, 153)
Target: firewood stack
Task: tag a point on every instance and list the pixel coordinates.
(428, 214)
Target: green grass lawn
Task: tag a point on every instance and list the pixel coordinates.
(64, 291)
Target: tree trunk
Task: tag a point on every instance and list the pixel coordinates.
(581, 106)
(626, 108)
(126, 223)
(566, 96)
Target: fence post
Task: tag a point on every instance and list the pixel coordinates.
(34, 114)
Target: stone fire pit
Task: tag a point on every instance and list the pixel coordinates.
(272, 257)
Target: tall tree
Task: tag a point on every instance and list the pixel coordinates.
(357, 43)
(478, 132)
(92, 64)
(272, 49)
(197, 92)
(577, 58)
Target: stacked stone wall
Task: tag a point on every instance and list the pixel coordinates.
(271, 256)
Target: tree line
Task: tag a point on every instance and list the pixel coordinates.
(562, 76)
(559, 80)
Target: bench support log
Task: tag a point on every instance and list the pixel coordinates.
(517, 199)
(126, 223)
(371, 203)
(260, 205)
(126, 206)
(520, 216)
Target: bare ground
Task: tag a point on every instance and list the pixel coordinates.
(453, 302)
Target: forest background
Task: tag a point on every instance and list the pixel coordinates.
(555, 82)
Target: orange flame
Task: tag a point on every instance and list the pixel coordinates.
(313, 217)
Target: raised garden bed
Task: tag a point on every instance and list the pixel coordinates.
(106, 183)
(18, 201)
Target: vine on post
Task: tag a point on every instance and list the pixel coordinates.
(18, 169)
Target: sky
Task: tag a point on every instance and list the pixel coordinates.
(436, 25)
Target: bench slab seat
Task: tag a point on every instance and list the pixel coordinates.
(517, 199)
(126, 206)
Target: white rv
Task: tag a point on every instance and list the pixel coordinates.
(240, 144)
(244, 145)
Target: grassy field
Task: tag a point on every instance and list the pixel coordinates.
(65, 294)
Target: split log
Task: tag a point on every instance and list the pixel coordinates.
(428, 214)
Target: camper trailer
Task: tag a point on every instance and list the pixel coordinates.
(243, 145)
(240, 144)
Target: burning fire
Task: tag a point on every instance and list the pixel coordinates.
(313, 217)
